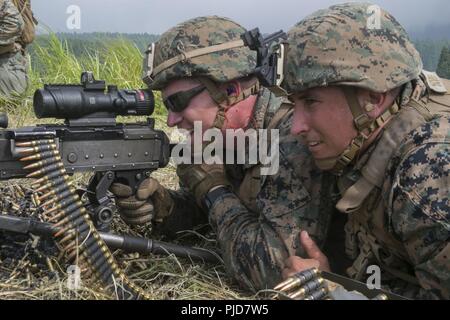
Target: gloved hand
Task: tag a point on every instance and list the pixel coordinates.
(201, 178)
(152, 202)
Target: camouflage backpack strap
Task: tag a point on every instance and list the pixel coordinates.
(418, 110)
(251, 184)
(375, 168)
(361, 244)
(28, 34)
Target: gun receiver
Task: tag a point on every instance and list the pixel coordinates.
(91, 140)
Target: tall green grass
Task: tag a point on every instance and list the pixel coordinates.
(117, 61)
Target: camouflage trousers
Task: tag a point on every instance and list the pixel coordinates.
(13, 74)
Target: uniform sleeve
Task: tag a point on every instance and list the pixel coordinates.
(421, 214)
(256, 244)
(11, 23)
(186, 215)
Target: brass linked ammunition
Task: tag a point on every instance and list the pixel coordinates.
(297, 280)
(70, 246)
(79, 229)
(34, 143)
(54, 183)
(95, 255)
(39, 156)
(37, 149)
(50, 176)
(307, 288)
(61, 196)
(69, 236)
(318, 295)
(78, 251)
(73, 233)
(62, 231)
(61, 223)
(42, 163)
(64, 204)
(105, 271)
(74, 255)
(47, 169)
(69, 210)
(55, 191)
(74, 223)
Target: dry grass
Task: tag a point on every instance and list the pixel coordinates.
(35, 271)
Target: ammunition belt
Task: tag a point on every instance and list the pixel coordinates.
(305, 285)
(76, 234)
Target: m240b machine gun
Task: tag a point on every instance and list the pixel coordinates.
(90, 140)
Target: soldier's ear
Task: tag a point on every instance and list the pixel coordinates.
(374, 103)
(378, 103)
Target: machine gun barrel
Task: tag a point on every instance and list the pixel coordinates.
(113, 241)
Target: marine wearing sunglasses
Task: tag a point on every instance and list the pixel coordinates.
(179, 101)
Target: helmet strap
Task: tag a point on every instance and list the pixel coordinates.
(224, 101)
(365, 127)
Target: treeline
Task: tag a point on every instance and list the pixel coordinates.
(89, 43)
(430, 50)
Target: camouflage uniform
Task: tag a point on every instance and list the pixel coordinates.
(13, 64)
(407, 230)
(257, 225)
(257, 235)
(396, 193)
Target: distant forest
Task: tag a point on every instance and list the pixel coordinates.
(430, 50)
(88, 43)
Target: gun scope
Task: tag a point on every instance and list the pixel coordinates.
(72, 101)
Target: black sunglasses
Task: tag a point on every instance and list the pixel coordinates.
(179, 101)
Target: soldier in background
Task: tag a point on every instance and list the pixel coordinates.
(371, 115)
(205, 75)
(17, 28)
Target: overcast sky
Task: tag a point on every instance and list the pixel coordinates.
(156, 16)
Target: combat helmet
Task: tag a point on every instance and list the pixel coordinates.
(353, 45)
(209, 48)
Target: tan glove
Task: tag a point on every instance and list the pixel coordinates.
(201, 178)
(152, 202)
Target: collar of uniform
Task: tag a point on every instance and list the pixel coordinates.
(408, 90)
(352, 172)
(260, 109)
(266, 106)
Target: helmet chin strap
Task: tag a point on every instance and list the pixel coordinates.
(223, 100)
(365, 127)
